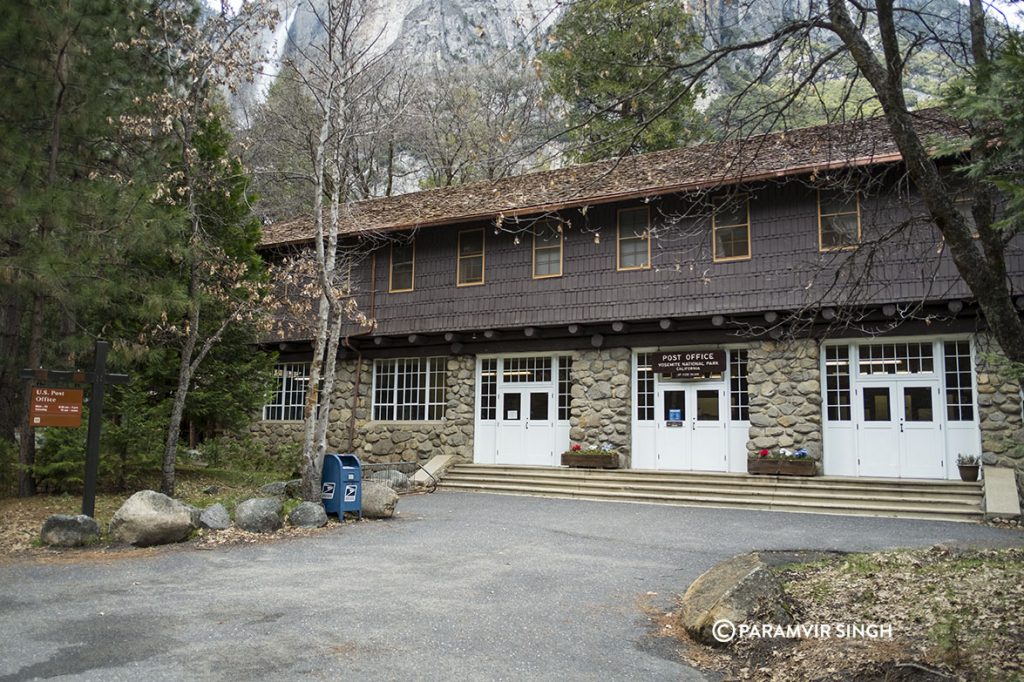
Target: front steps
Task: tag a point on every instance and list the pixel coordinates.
(912, 499)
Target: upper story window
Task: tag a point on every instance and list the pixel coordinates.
(634, 239)
(838, 219)
(547, 250)
(470, 267)
(403, 267)
(731, 229)
(291, 381)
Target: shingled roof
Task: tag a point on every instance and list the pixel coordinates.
(794, 152)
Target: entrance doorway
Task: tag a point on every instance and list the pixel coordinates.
(690, 426)
(522, 409)
(898, 409)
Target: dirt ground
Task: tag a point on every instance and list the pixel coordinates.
(954, 614)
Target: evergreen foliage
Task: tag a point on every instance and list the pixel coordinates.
(614, 65)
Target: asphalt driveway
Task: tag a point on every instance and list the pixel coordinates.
(461, 586)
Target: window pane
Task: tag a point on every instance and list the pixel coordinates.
(838, 201)
(732, 242)
(839, 230)
(539, 406)
(675, 405)
(511, 407)
(876, 405)
(548, 262)
(731, 212)
(471, 270)
(644, 388)
(633, 222)
(471, 243)
(707, 406)
(401, 277)
(739, 398)
(633, 253)
(917, 404)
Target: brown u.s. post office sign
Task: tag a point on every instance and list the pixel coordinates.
(56, 407)
(689, 364)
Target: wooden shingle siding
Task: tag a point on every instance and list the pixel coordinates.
(786, 271)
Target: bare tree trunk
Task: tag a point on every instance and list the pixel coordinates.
(11, 385)
(178, 408)
(984, 270)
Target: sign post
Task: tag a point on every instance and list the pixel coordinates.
(62, 407)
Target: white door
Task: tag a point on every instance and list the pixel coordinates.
(878, 435)
(540, 427)
(690, 427)
(511, 431)
(922, 451)
(709, 442)
(672, 428)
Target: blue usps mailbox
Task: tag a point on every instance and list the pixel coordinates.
(341, 487)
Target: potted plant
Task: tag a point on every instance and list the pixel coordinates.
(781, 462)
(969, 466)
(603, 457)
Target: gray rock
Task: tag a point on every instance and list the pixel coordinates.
(259, 515)
(379, 500)
(277, 488)
(196, 512)
(64, 530)
(211, 490)
(293, 488)
(151, 518)
(215, 517)
(308, 515)
(391, 477)
(739, 590)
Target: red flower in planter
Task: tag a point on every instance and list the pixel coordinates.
(576, 447)
(763, 452)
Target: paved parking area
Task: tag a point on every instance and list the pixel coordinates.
(461, 586)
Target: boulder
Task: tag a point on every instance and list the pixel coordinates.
(196, 513)
(64, 530)
(277, 489)
(308, 515)
(742, 589)
(150, 518)
(379, 500)
(393, 478)
(259, 515)
(215, 517)
(293, 488)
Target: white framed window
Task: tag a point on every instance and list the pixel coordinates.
(644, 388)
(959, 381)
(564, 387)
(837, 383)
(410, 389)
(289, 397)
(489, 389)
(738, 397)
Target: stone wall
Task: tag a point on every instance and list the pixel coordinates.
(999, 409)
(391, 441)
(784, 384)
(601, 400)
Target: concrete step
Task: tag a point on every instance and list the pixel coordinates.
(939, 500)
(713, 488)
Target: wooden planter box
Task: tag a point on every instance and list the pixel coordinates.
(602, 461)
(782, 467)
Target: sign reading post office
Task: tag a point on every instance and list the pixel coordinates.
(56, 407)
(689, 364)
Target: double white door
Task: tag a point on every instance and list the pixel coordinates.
(900, 429)
(526, 426)
(690, 426)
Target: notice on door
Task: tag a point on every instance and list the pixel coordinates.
(60, 407)
(689, 364)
